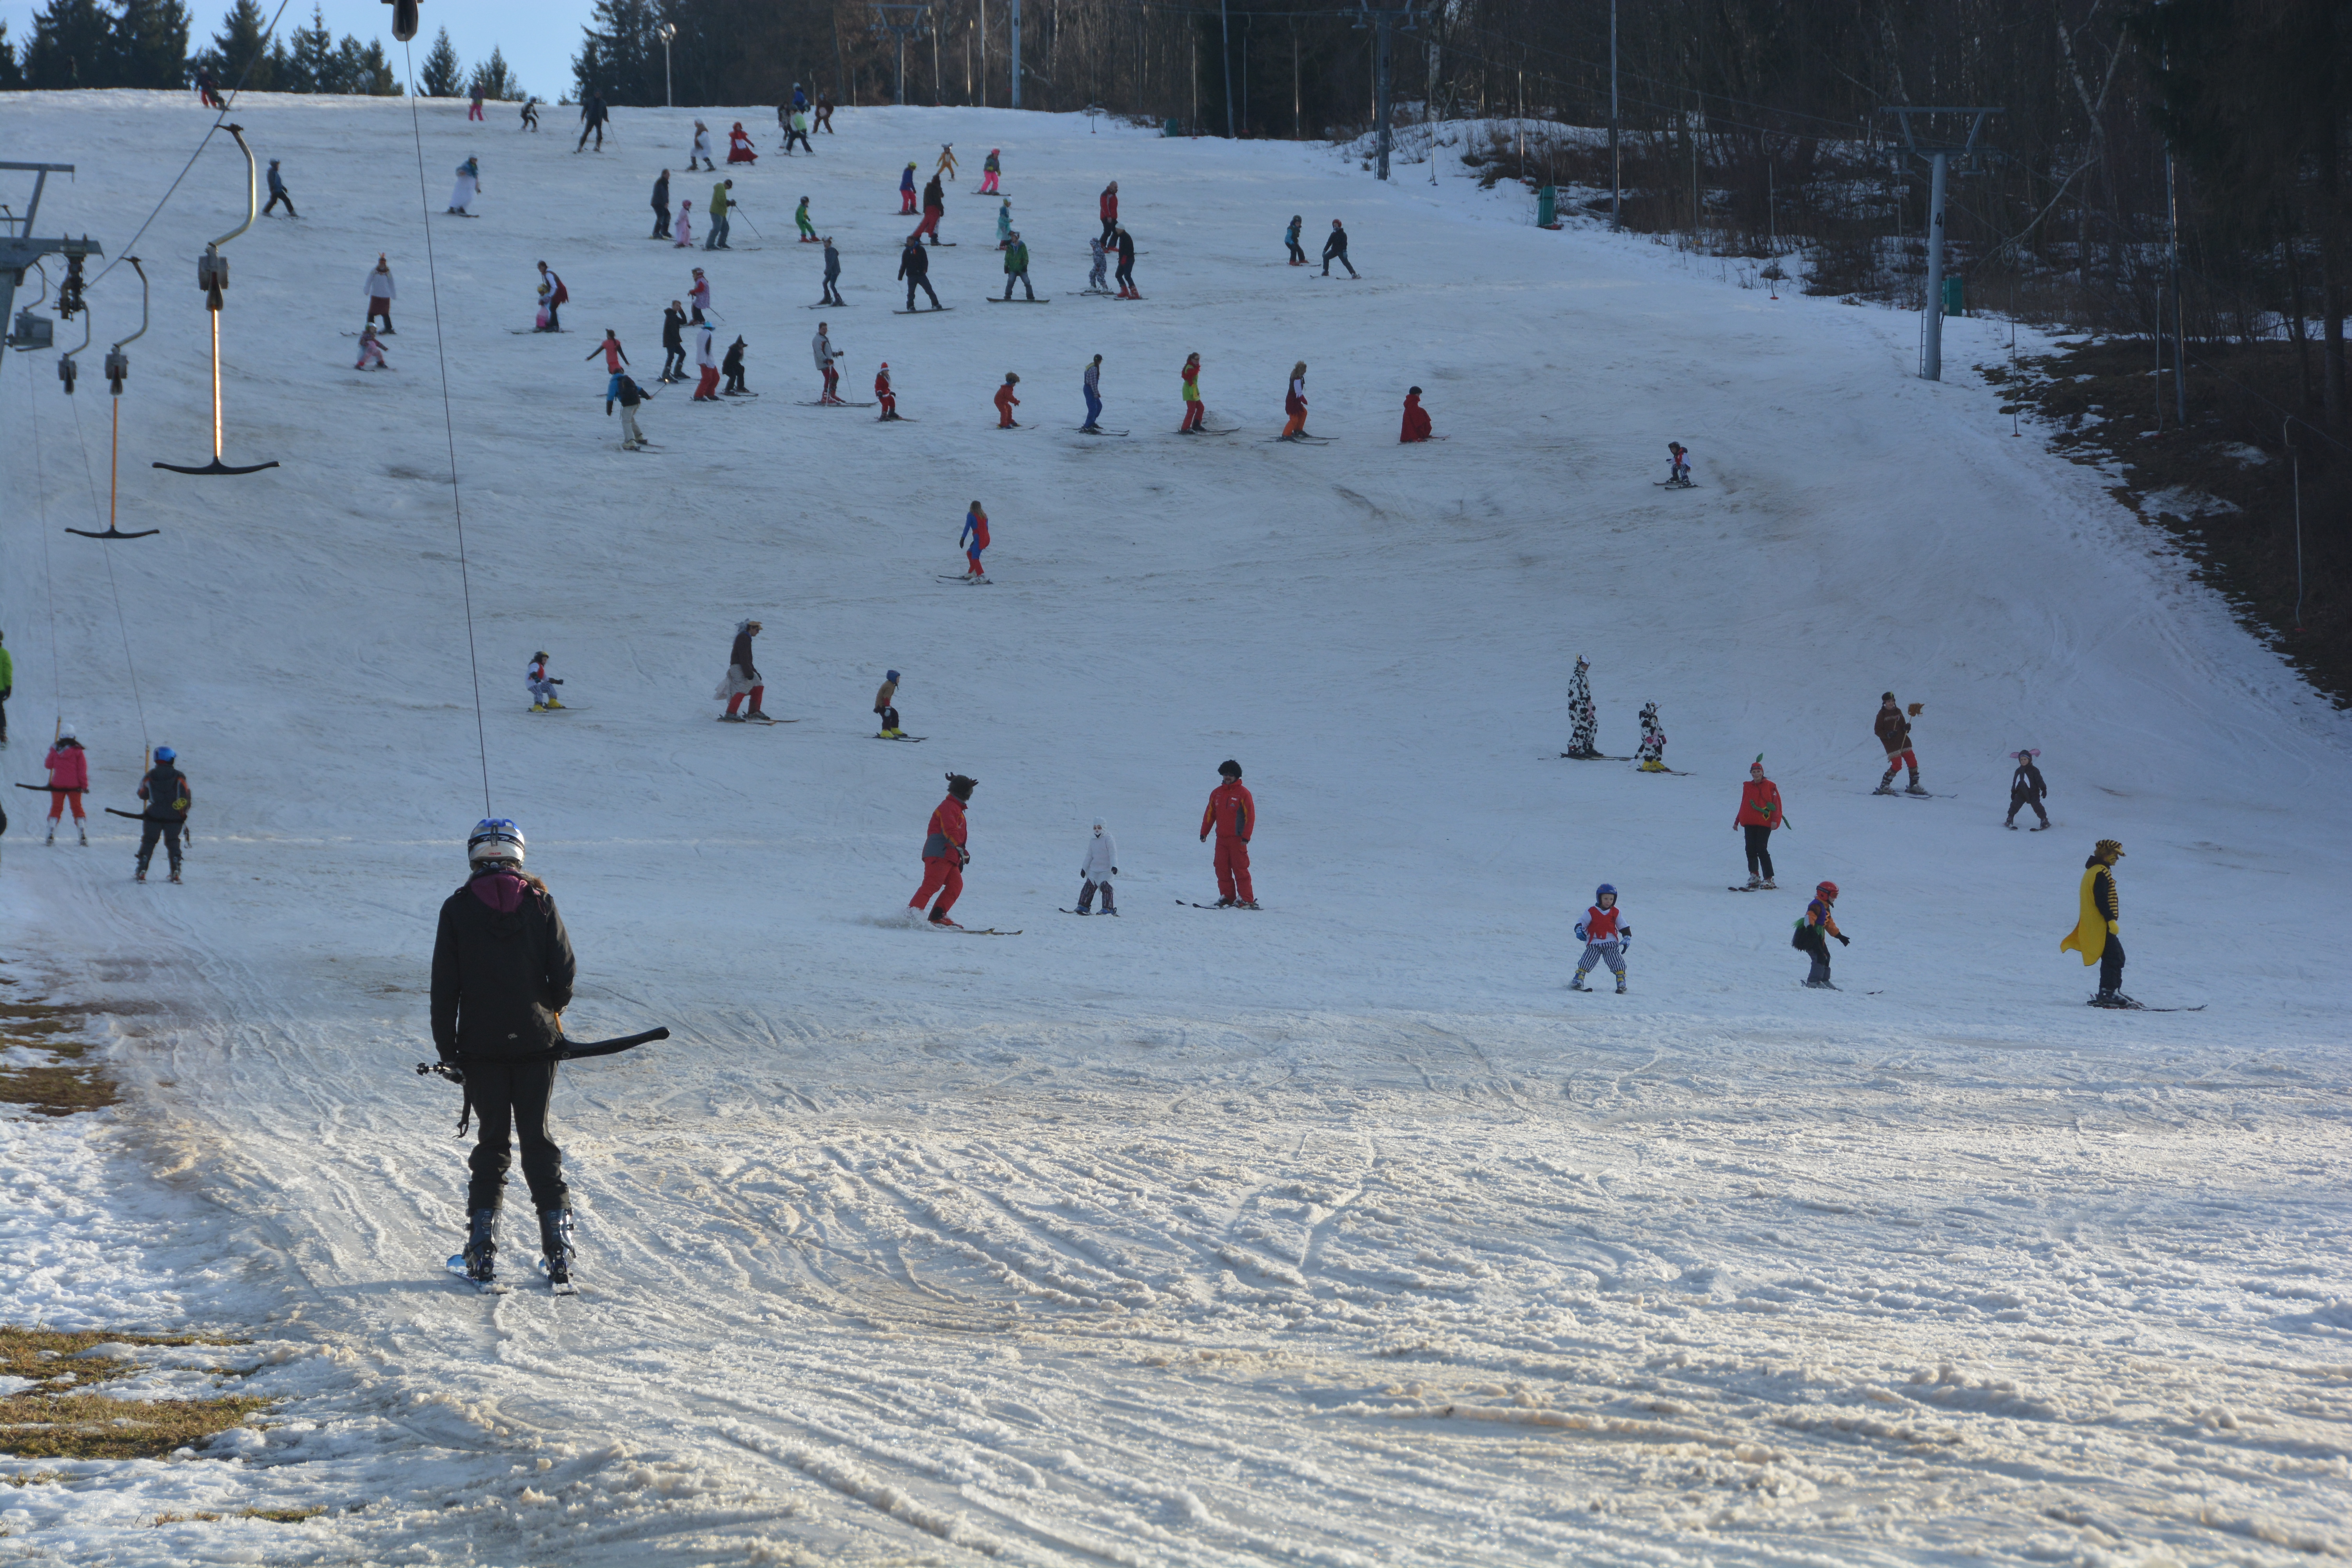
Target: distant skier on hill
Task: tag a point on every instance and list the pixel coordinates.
(1892, 728)
(628, 395)
(553, 297)
(69, 768)
(974, 539)
(167, 795)
(1016, 267)
(946, 852)
(742, 677)
(468, 186)
(370, 349)
(1334, 248)
(380, 290)
(739, 146)
(884, 395)
(698, 150)
(884, 707)
(706, 360)
(722, 202)
(1101, 865)
(1098, 264)
(935, 206)
(915, 267)
(907, 192)
(1416, 426)
(1814, 929)
(989, 169)
(798, 131)
(503, 972)
(732, 367)
(1006, 402)
(1196, 412)
(1290, 239)
(593, 116)
(1760, 812)
(1125, 276)
(541, 685)
(1232, 815)
(825, 109)
(474, 109)
(697, 297)
(832, 275)
(530, 115)
(674, 343)
(1294, 403)
(828, 365)
(1107, 205)
(800, 221)
(615, 357)
(278, 193)
(1678, 473)
(684, 238)
(2026, 788)
(1581, 715)
(1652, 749)
(947, 165)
(661, 208)
(1003, 223)
(1606, 935)
(1090, 384)
(2097, 934)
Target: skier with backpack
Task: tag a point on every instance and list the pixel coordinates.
(1606, 935)
(946, 853)
(1814, 929)
(503, 972)
(2026, 788)
(167, 794)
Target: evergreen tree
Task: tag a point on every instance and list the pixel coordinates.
(442, 72)
(237, 43)
(362, 69)
(305, 62)
(72, 46)
(151, 45)
(492, 78)
(621, 56)
(12, 75)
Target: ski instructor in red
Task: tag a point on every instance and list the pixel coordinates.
(1233, 814)
(944, 855)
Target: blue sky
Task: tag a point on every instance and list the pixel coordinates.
(538, 37)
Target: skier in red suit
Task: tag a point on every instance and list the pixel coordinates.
(944, 855)
(1233, 814)
(1416, 419)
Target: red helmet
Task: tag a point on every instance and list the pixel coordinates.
(1827, 890)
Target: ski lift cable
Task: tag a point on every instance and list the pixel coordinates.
(448, 425)
(48, 574)
(121, 621)
(218, 120)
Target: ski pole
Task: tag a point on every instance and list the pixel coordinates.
(754, 228)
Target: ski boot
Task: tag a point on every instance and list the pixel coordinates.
(1621, 986)
(174, 877)
(1886, 784)
(2039, 828)
(139, 875)
(1771, 886)
(1223, 904)
(1754, 883)
(1576, 982)
(556, 1250)
(944, 924)
(538, 707)
(1820, 985)
(85, 835)
(552, 703)
(731, 718)
(1913, 787)
(481, 1254)
(1246, 904)
(52, 838)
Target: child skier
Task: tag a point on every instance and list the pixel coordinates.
(884, 395)
(370, 349)
(1606, 935)
(2097, 934)
(1102, 857)
(1233, 812)
(1760, 812)
(945, 854)
(697, 297)
(884, 699)
(1098, 260)
(1652, 749)
(68, 767)
(166, 792)
(1416, 419)
(732, 368)
(800, 220)
(1678, 473)
(1195, 411)
(742, 677)
(683, 239)
(1334, 248)
(947, 165)
(907, 192)
(1006, 402)
(1813, 932)
(468, 186)
(1290, 239)
(1294, 403)
(614, 358)
(1892, 728)
(1581, 714)
(1005, 222)
(2026, 788)
(974, 539)
(989, 169)
(542, 686)
(629, 395)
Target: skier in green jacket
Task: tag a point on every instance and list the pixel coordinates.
(1016, 265)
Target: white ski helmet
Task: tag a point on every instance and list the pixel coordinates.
(495, 838)
(66, 733)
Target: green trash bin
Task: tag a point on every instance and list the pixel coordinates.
(1548, 208)
(1955, 296)
(1171, 129)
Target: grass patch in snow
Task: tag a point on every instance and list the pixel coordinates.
(61, 1086)
(208, 1516)
(56, 1417)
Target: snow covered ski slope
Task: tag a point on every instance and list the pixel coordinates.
(1336, 1232)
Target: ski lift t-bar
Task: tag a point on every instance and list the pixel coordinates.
(118, 369)
(212, 276)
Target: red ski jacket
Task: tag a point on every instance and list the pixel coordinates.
(1006, 402)
(1416, 420)
(1231, 812)
(1759, 805)
(948, 832)
(1111, 206)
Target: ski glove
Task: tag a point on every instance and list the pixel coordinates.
(1844, 940)
(1579, 932)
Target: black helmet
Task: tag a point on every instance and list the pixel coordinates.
(1230, 768)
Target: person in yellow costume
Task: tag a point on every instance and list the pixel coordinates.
(2096, 933)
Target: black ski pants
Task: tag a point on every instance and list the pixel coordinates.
(1297, 257)
(1815, 944)
(1341, 257)
(661, 222)
(2111, 964)
(2018, 801)
(673, 363)
(511, 1098)
(597, 130)
(150, 830)
(924, 284)
(275, 197)
(1759, 850)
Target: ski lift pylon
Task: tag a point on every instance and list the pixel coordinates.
(212, 276)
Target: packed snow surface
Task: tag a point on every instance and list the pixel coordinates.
(1338, 1233)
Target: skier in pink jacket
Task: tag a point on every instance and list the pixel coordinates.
(68, 767)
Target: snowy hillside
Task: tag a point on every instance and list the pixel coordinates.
(1338, 1233)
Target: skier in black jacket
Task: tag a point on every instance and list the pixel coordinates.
(915, 267)
(502, 975)
(661, 208)
(1334, 248)
(674, 342)
(2026, 788)
(165, 790)
(732, 366)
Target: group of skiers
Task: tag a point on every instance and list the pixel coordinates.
(164, 793)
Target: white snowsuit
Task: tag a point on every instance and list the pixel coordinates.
(379, 284)
(701, 145)
(703, 359)
(467, 186)
(1102, 864)
(685, 229)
